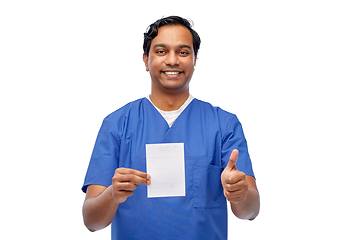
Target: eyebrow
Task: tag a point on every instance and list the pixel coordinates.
(164, 46)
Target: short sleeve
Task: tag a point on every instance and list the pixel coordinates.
(105, 156)
(234, 138)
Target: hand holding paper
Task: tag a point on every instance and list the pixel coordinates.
(125, 181)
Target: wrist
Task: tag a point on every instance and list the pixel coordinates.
(110, 195)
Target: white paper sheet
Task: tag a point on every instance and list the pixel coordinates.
(166, 165)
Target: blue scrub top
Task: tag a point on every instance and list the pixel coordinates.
(209, 135)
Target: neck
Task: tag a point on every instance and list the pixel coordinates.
(169, 102)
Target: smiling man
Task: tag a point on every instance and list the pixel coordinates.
(216, 159)
(170, 60)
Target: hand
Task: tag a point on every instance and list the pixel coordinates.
(125, 181)
(233, 181)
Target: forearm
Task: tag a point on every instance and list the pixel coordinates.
(99, 212)
(249, 208)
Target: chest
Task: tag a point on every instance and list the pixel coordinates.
(196, 128)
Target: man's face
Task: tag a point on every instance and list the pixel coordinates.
(171, 59)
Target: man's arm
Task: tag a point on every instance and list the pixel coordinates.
(99, 207)
(101, 203)
(248, 208)
(240, 190)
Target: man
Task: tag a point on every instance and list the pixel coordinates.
(217, 163)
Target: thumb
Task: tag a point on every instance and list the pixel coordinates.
(232, 160)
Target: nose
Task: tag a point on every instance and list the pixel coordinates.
(172, 59)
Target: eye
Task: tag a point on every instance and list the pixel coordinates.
(184, 53)
(160, 52)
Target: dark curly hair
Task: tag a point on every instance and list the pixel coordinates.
(152, 32)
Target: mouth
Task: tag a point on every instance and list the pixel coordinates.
(172, 73)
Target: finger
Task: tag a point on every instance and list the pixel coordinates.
(134, 172)
(237, 177)
(127, 193)
(231, 196)
(236, 186)
(238, 198)
(131, 175)
(125, 186)
(122, 195)
(232, 160)
(131, 178)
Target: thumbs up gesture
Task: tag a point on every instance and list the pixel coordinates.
(233, 181)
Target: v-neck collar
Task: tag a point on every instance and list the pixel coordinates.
(170, 122)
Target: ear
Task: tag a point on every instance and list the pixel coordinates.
(195, 60)
(146, 61)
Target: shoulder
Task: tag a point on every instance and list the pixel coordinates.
(219, 117)
(125, 110)
(220, 113)
(117, 120)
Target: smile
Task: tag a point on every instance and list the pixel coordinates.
(172, 73)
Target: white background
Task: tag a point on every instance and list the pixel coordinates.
(288, 69)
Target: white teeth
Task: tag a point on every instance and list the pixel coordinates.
(172, 73)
